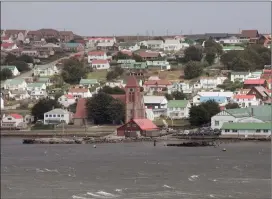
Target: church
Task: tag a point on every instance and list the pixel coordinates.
(135, 123)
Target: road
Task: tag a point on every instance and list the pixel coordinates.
(29, 73)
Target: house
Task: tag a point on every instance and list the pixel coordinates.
(158, 104)
(93, 41)
(157, 85)
(96, 55)
(73, 47)
(19, 94)
(230, 40)
(18, 35)
(88, 83)
(80, 117)
(45, 70)
(38, 94)
(29, 52)
(252, 36)
(260, 92)
(178, 109)
(250, 83)
(138, 127)
(134, 65)
(107, 46)
(196, 98)
(57, 116)
(100, 64)
(184, 87)
(15, 84)
(239, 76)
(246, 100)
(12, 121)
(162, 65)
(211, 82)
(8, 46)
(80, 93)
(66, 36)
(13, 70)
(267, 73)
(66, 100)
(247, 129)
(254, 114)
(34, 35)
(36, 86)
(6, 39)
(149, 55)
(155, 44)
(126, 61)
(221, 100)
(172, 45)
(132, 46)
(49, 33)
(45, 80)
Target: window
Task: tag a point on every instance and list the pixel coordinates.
(54, 115)
(249, 104)
(227, 130)
(265, 131)
(258, 131)
(50, 115)
(216, 123)
(9, 118)
(46, 115)
(62, 115)
(234, 131)
(58, 115)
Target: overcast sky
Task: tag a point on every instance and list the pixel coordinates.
(89, 19)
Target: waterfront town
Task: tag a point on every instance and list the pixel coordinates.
(137, 85)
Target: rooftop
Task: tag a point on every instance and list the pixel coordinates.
(247, 126)
(177, 103)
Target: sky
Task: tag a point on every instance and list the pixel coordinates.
(132, 18)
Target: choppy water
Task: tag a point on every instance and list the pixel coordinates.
(134, 171)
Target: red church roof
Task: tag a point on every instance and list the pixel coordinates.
(145, 124)
(120, 97)
(254, 81)
(132, 82)
(81, 111)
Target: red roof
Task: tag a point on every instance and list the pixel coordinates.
(69, 96)
(120, 97)
(132, 82)
(4, 38)
(250, 33)
(244, 96)
(145, 124)
(158, 82)
(254, 81)
(100, 61)
(96, 53)
(267, 72)
(81, 111)
(16, 116)
(126, 52)
(6, 45)
(149, 54)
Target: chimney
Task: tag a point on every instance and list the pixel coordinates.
(252, 113)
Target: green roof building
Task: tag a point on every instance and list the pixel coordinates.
(178, 109)
(88, 82)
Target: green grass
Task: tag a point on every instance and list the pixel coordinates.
(99, 75)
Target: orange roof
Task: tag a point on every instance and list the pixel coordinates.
(244, 96)
(145, 124)
(157, 82)
(100, 61)
(81, 111)
(78, 90)
(149, 54)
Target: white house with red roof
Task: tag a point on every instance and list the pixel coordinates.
(67, 100)
(12, 121)
(157, 85)
(8, 46)
(6, 39)
(246, 100)
(93, 55)
(100, 64)
(250, 83)
(80, 93)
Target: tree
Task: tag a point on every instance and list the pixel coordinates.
(73, 71)
(168, 96)
(10, 58)
(57, 80)
(26, 58)
(227, 58)
(211, 44)
(101, 109)
(21, 66)
(117, 111)
(112, 91)
(210, 56)
(193, 53)
(232, 106)
(43, 106)
(111, 75)
(211, 107)
(137, 57)
(179, 95)
(193, 69)
(5, 74)
(53, 40)
(198, 115)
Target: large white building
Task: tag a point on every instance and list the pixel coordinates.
(57, 116)
(197, 98)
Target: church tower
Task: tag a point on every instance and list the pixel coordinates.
(135, 108)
